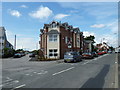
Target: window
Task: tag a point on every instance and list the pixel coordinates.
(53, 52)
(50, 50)
(53, 38)
(66, 40)
(50, 54)
(53, 25)
(71, 39)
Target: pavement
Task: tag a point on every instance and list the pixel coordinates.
(19, 73)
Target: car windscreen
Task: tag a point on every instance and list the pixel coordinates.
(69, 53)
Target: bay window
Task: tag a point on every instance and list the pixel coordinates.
(52, 38)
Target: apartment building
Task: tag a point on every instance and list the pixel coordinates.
(56, 38)
(3, 41)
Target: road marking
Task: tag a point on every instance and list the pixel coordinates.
(39, 73)
(16, 81)
(116, 62)
(86, 62)
(1, 85)
(63, 71)
(7, 80)
(18, 87)
(7, 77)
(27, 74)
(9, 83)
(43, 72)
(34, 72)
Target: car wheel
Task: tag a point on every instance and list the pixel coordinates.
(75, 61)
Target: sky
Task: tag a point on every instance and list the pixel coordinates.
(25, 19)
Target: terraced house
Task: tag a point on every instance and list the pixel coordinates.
(56, 38)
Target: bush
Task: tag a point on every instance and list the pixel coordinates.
(45, 59)
(8, 52)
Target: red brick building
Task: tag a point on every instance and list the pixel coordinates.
(56, 38)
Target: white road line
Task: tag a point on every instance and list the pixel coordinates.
(86, 62)
(63, 71)
(43, 72)
(34, 72)
(16, 81)
(7, 80)
(7, 77)
(9, 83)
(1, 85)
(39, 73)
(115, 62)
(27, 74)
(18, 87)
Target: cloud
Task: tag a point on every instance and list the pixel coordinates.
(24, 6)
(26, 44)
(22, 41)
(113, 26)
(15, 13)
(74, 11)
(111, 40)
(60, 16)
(86, 33)
(41, 13)
(98, 26)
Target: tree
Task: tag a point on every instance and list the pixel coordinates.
(35, 52)
(111, 48)
(8, 52)
(90, 38)
(19, 50)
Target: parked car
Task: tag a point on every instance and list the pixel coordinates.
(94, 54)
(32, 55)
(104, 52)
(17, 55)
(23, 54)
(87, 55)
(72, 57)
(100, 53)
(110, 52)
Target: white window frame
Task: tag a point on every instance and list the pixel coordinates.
(53, 38)
(66, 39)
(53, 52)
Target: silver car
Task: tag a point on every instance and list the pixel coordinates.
(72, 57)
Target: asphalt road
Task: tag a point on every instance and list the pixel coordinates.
(92, 73)
(119, 69)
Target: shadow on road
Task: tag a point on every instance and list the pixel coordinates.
(99, 80)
